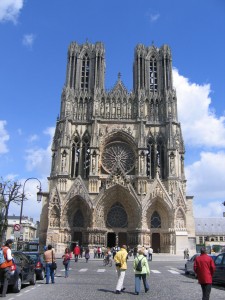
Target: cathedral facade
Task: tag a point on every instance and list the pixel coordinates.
(117, 174)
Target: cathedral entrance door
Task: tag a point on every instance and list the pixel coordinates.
(111, 239)
(156, 242)
(77, 236)
(122, 238)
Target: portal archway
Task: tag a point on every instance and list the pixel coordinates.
(156, 242)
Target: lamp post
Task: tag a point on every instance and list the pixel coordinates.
(39, 195)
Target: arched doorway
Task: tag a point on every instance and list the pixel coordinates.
(111, 239)
(122, 238)
(156, 242)
(77, 237)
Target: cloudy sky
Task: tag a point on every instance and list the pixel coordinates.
(35, 36)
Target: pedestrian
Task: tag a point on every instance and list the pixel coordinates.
(135, 252)
(150, 252)
(99, 251)
(121, 267)
(185, 253)
(76, 252)
(87, 254)
(49, 258)
(141, 272)
(204, 267)
(66, 261)
(81, 251)
(7, 262)
(95, 252)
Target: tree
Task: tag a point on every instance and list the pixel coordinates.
(9, 192)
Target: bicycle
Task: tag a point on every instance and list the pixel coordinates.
(107, 261)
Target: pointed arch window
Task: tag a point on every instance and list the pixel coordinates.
(75, 157)
(85, 71)
(155, 220)
(161, 157)
(78, 219)
(153, 74)
(150, 157)
(117, 216)
(86, 155)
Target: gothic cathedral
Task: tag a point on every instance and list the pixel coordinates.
(117, 174)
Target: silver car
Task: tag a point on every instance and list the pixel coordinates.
(189, 265)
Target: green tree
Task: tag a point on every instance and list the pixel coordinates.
(9, 192)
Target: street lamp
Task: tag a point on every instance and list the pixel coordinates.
(39, 195)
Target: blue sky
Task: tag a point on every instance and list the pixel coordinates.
(35, 36)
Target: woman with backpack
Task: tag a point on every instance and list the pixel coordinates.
(141, 269)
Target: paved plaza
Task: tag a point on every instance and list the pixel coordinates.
(92, 280)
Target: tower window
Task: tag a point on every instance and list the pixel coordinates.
(153, 75)
(85, 72)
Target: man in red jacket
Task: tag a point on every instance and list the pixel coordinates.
(76, 252)
(204, 267)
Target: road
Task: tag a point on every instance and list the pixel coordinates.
(93, 281)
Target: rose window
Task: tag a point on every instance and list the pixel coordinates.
(117, 217)
(118, 154)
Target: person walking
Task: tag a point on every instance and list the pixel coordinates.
(121, 266)
(141, 269)
(87, 254)
(5, 266)
(204, 267)
(150, 252)
(66, 261)
(49, 258)
(76, 252)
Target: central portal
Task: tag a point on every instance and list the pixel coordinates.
(111, 239)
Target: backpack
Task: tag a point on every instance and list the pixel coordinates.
(139, 266)
(2, 257)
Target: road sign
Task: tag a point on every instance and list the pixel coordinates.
(16, 234)
(17, 227)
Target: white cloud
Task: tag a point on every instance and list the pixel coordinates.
(28, 40)
(39, 158)
(206, 177)
(202, 129)
(31, 208)
(10, 9)
(4, 137)
(200, 126)
(211, 209)
(19, 131)
(33, 138)
(153, 17)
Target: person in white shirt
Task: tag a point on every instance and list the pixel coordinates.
(150, 252)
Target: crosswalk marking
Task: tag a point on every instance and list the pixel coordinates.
(101, 270)
(174, 272)
(83, 270)
(155, 271)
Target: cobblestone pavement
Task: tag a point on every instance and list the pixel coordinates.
(94, 281)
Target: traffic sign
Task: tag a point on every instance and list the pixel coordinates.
(17, 227)
(16, 234)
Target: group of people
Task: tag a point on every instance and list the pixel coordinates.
(204, 267)
(140, 266)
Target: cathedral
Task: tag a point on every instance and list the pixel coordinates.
(117, 174)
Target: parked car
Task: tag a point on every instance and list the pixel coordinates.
(189, 265)
(21, 272)
(219, 275)
(39, 264)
